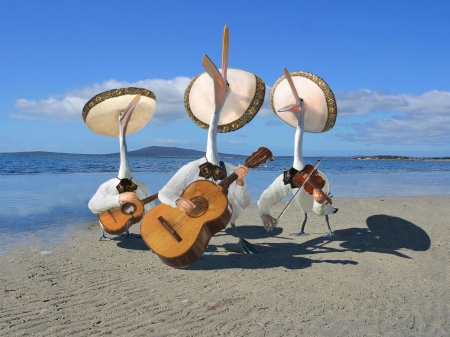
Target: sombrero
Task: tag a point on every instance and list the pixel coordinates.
(319, 101)
(244, 99)
(101, 113)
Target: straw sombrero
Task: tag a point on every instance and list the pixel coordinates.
(320, 104)
(244, 99)
(101, 113)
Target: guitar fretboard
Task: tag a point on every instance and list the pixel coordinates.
(228, 180)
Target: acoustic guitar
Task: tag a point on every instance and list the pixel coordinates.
(115, 221)
(179, 238)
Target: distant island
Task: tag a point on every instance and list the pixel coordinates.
(398, 158)
(163, 151)
(150, 151)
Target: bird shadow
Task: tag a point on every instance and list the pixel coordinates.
(269, 255)
(384, 234)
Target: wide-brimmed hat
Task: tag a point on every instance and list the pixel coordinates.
(243, 101)
(101, 113)
(320, 104)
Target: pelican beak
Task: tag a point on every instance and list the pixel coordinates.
(220, 85)
(225, 44)
(126, 115)
(297, 106)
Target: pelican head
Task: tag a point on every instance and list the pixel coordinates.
(297, 107)
(125, 116)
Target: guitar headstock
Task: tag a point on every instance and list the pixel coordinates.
(259, 157)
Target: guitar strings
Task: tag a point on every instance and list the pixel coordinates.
(181, 218)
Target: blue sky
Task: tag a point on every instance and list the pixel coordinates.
(387, 63)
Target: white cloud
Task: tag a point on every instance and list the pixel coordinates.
(400, 118)
(266, 109)
(418, 130)
(364, 101)
(68, 107)
(396, 118)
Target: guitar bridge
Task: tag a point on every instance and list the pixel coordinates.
(169, 228)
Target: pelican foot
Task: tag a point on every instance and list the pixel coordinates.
(328, 234)
(246, 247)
(299, 234)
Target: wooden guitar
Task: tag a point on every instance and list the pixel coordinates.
(179, 238)
(115, 221)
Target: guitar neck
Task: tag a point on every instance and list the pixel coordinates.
(228, 180)
(150, 198)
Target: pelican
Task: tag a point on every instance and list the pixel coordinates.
(280, 188)
(115, 191)
(221, 89)
(245, 91)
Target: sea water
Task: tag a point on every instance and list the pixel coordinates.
(44, 197)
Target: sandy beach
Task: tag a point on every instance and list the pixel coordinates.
(384, 272)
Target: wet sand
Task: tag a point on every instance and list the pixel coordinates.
(384, 272)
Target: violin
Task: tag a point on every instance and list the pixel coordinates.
(310, 179)
(303, 179)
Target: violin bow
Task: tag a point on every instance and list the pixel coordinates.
(290, 201)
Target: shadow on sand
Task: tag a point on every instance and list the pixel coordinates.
(133, 242)
(384, 234)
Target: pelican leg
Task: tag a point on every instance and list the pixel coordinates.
(330, 232)
(103, 237)
(243, 245)
(302, 230)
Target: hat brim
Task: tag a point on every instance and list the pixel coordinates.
(101, 113)
(244, 99)
(319, 101)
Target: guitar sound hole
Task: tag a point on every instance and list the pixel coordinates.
(201, 206)
(128, 208)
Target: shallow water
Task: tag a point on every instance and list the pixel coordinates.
(44, 198)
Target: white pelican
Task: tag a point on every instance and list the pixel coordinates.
(282, 185)
(221, 88)
(226, 100)
(123, 188)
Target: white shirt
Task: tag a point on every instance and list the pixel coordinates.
(277, 191)
(238, 196)
(107, 196)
